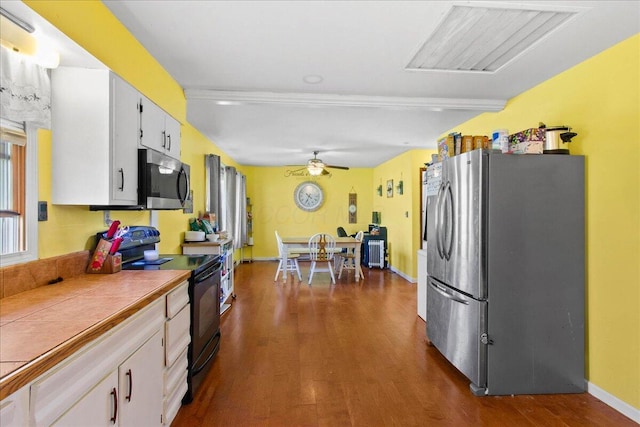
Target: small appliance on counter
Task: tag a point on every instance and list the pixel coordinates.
(204, 294)
(556, 139)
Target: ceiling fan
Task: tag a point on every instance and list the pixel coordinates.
(317, 167)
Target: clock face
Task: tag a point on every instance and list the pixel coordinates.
(308, 196)
(352, 208)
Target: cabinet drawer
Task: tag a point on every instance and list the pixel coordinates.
(177, 299)
(172, 403)
(176, 374)
(177, 336)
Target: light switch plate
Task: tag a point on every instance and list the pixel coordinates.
(43, 213)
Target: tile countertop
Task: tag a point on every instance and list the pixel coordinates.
(41, 327)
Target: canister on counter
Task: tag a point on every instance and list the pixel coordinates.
(500, 140)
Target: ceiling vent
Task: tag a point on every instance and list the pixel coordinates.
(483, 39)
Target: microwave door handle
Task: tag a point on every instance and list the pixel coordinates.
(182, 198)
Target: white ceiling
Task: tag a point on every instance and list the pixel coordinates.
(252, 56)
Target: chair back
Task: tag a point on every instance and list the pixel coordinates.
(359, 236)
(279, 240)
(322, 247)
(341, 232)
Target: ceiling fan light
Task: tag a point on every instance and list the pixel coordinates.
(314, 169)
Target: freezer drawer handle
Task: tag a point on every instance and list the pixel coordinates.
(442, 291)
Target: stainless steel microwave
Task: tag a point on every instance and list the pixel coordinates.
(163, 182)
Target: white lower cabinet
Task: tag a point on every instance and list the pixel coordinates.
(14, 409)
(100, 405)
(140, 385)
(130, 395)
(133, 375)
(125, 365)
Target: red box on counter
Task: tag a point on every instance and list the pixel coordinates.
(528, 141)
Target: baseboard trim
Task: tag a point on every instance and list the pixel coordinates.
(404, 276)
(617, 404)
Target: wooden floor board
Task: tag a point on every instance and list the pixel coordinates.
(351, 354)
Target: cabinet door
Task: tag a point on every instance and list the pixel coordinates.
(172, 130)
(153, 134)
(140, 385)
(125, 130)
(100, 405)
(14, 409)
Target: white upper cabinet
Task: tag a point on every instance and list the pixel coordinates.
(94, 138)
(158, 130)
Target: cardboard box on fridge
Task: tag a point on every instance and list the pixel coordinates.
(528, 141)
(445, 148)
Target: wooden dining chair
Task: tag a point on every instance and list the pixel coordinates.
(348, 260)
(322, 248)
(292, 261)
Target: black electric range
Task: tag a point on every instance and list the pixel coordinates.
(204, 296)
(195, 263)
(140, 238)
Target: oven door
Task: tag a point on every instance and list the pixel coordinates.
(205, 325)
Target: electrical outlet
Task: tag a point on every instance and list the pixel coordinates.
(107, 217)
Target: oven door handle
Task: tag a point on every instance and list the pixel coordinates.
(202, 279)
(197, 370)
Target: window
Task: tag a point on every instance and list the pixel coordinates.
(18, 193)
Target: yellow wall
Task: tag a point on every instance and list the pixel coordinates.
(401, 213)
(271, 194)
(600, 100)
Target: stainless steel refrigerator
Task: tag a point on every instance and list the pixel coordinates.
(506, 251)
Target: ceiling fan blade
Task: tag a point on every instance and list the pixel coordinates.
(298, 169)
(337, 167)
(325, 172)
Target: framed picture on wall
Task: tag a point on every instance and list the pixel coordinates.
(390, 188)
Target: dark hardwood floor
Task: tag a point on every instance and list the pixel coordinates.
(352, 354)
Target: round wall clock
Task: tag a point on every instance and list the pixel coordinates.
(308, 196)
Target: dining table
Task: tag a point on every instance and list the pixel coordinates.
(298, 244)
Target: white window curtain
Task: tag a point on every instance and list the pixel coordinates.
(236, 206)
(212, 171)
(25, 90)
(226, 197)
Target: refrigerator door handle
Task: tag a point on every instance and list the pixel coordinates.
(438, 222)
(442, 291)
(449, 201)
